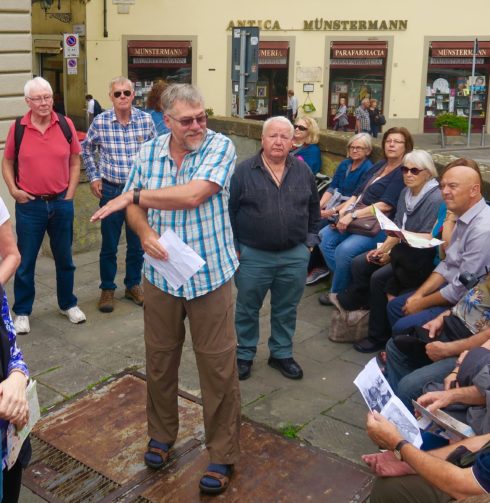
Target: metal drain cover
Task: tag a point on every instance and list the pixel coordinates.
(90, 450)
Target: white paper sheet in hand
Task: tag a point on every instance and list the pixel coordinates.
(183, 262)
(412, 240)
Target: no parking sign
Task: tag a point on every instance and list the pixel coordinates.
(72, 66)
(71, 46)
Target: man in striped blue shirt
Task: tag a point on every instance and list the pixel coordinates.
(116, 136)
(181, 181)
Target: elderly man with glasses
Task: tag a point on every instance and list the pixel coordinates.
(180, 181)
(275, 214)
(113, 140)
(41, 169)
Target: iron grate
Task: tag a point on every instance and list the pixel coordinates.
(64, 479)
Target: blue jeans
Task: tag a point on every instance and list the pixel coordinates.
(402, 324)
(111, 232)
(33, 220)
(284, 274)
(407, 380)
(339, 249)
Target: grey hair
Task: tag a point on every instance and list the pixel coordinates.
(181, 92)
(37, 82)
(422, 160)
(362, 137)
(282, 120)
(120, 80)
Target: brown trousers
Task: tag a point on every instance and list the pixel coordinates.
(214, 342)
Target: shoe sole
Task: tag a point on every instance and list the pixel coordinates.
(285, 374)
(130, 297)
(244, 377)
(325, 303)
(106, 309)
(316, 280)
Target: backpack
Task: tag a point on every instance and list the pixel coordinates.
(97, 108)
(19, 134)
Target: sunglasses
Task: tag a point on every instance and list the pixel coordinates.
(301, 128)
(187, 122)
(414, 171)
(117, 94)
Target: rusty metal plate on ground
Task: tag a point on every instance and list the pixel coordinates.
(91, 450)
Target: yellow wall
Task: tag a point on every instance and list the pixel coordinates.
(207, 21)
(49, 27)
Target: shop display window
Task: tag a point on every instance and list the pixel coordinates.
(354, 89)
(152, 60)
(450, 91)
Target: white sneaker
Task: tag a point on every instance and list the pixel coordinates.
(21, 325)
(74, 314)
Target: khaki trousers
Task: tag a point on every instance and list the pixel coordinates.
(214, 343)
(406, 489)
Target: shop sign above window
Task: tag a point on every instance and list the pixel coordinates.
(159, 52)
(461, 49)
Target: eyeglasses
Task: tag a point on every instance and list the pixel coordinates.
(39, 99)
(188, 121)
(414, 171)
(117, 94)
(354, 148)
(396, 142)
(301, 128)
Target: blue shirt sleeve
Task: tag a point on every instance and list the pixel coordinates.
(481, 470)
(339, 175)
(312, 156)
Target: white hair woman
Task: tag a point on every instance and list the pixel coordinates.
(396, 267)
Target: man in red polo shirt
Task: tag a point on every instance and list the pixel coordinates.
(43, 188)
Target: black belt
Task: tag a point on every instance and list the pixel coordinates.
(49, 197)
(113, 184)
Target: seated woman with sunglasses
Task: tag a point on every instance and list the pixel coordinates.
(395, 267)
(350, 174)
(305, 143)
(338, 245)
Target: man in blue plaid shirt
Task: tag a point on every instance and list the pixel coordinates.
(116, 136)
(181, 181)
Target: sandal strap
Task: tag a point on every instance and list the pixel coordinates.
(222, 479)
(160, 452)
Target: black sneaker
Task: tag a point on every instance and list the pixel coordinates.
(287, 367)
(244, 368)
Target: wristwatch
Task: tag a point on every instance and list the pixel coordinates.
(397, 450)
(136, 196)
(354, 215)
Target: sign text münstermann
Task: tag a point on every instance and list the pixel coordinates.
(320, 24)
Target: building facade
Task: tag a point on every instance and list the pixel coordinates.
(416, 59)
(15, 68)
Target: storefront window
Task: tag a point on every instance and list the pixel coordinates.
(270, 93)
(357, 71)
(150, 61)
(449, 82)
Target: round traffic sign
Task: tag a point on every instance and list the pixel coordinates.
(71, 41)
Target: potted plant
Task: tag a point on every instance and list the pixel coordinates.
(452, 124)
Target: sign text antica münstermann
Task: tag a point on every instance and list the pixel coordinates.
(320, 24)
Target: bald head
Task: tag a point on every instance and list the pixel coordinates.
(461, 188)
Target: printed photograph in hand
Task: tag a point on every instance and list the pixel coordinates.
(409, 431)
